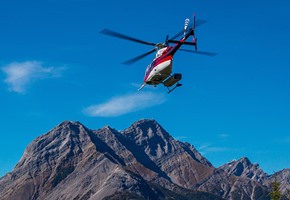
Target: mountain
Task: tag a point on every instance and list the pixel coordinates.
(239, 179)
(282, 177)
(233, 187)
(141, 162)
(244, 168)
(74, 162)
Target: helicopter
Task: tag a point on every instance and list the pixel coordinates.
(159, 71)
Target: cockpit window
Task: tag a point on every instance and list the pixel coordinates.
(148, 69)
(159, 52)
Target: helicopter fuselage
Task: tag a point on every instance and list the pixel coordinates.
(161, 67)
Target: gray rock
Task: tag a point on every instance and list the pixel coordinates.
(283, 178)
(244, 168)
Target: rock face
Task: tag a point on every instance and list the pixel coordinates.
(282, 177)
(233, 187)
(140, 162)
(244, 168)
(178, 162)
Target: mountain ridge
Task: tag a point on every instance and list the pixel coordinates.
(142, 161)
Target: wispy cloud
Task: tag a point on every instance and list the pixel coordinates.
(181, 137)
(125, 104)
(20, 74)
(136, 85)
(208, 148)
(223, 136)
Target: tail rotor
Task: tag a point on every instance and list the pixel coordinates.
(193, 28)
(194, 21)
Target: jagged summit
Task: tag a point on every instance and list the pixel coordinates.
(283, 177)
(64, 128)
(145, 120)
(241, 163)
(145, 123)
(245, 161)
(244, 168)
(147, 128)
(69, 123)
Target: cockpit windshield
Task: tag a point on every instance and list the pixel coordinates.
(159, 52)
(148, 69)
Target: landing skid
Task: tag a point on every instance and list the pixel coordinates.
(171, 89)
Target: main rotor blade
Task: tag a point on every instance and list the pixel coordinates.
(126, 37)
(199, 22)
(177, 35)
(200, 52)
(131, 61)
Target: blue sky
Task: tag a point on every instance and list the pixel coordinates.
(55, 66)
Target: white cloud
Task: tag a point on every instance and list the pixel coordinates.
(125, 104)
(223, 136)
(207, 148)
(181, 137)
(136, 85)
(20, 74)
(204, 146)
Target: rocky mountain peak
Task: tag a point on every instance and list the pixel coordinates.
(65, 140)
(282, 177)
(149, 135)
(69, 122)
(285, 172)
(145, 124)
(147, 129)
(145, 121)
(245, 161)
(72, 125)
(244, 168)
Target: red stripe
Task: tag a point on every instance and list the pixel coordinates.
(161, 60)
(157, 62)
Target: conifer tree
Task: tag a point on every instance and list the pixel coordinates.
(275, 194)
